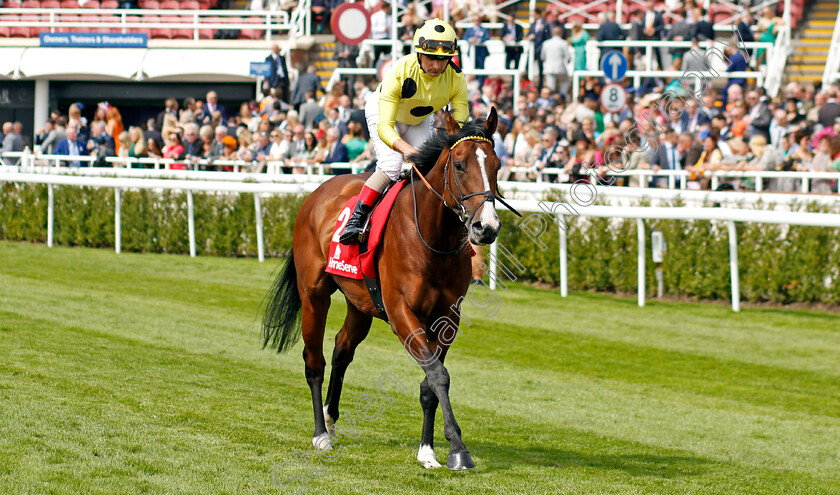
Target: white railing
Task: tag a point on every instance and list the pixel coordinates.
(594, 48)
(131, 20)
(517, 190)
(832, 63)
(776, 61)
(558, 175)
(728, 215)
(25, 161)
(637, 75)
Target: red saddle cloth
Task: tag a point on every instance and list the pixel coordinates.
(346, 260)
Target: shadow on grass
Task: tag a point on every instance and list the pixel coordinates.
(637, 464)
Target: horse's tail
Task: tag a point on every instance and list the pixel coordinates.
(281, 310)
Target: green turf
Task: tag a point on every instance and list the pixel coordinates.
(143, 374)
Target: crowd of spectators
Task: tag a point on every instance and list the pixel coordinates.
(550, 134)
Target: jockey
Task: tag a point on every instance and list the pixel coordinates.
(400, 113)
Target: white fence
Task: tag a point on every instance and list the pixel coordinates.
(728, 215)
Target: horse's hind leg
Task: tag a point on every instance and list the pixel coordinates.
(354, 331)
(313, 321)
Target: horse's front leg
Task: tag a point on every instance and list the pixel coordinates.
(436, 382)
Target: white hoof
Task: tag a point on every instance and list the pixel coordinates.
(426, 457)
(329, 422)
(322, 442)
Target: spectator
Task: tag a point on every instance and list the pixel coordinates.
(654, 27)
(579, 39)
(71, 146)
(556, 56)
(211, 107)
(137, 145)
(100, 145)
(692, 119)
(760, 115)
(278, 73)
(346, 56)
(767, 28)
(310, 110)
(477, 36)
(585, 157)
(702, 30)
(192, 143)
(765, 157)
(779, 127)
(187, 115)
(124, 141)
(152, 132)
(538, 33)
(263, 147)
(217, 148)
(174, 146)
(380, 30)
(829, 111)
(550, 148)
(114, 126)
(55, 133)
(335, 151)
(354, 141)
(680, 31)
(689, 150)
(281, 145)
(246, 115)
(306, 82)
(171, 108)
(12, 141)
(511, 35)
(609, 30)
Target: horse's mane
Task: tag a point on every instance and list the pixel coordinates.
(428, 154)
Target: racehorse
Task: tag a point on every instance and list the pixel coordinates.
(423, 268)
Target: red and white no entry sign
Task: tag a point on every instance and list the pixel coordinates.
(350, 23)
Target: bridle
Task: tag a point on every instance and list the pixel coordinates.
(458, 207)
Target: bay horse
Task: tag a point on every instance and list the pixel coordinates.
(423, 267)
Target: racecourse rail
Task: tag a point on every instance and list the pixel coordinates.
(728, 215)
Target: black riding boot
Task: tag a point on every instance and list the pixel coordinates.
(354, 226)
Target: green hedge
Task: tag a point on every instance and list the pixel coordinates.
(778, 263)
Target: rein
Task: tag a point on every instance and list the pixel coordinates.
(459, 210)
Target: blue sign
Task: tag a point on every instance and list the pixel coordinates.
(95, 40)
(614, 65)
(261, 69)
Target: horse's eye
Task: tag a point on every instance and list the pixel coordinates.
(459, 166)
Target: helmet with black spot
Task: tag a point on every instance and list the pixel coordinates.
(436, 38)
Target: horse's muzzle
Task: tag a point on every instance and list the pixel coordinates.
(481, 233)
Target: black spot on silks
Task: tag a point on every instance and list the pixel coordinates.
(440, 28)
(409, 87)
(421, 111)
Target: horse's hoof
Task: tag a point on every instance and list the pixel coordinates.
(460, 461)
(322, 442)
(426, 457)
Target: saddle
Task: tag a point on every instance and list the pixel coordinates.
(358, 261)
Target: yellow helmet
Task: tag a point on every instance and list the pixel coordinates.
(436, 37)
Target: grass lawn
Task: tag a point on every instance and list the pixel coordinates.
(140, 373)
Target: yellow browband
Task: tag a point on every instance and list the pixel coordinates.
(469, 138)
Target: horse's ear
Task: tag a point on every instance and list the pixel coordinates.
(452, 126)
(492, 121)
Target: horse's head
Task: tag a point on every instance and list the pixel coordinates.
(472, 169)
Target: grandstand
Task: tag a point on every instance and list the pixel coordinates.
(187, 49)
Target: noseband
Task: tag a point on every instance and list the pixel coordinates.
(458, 207)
